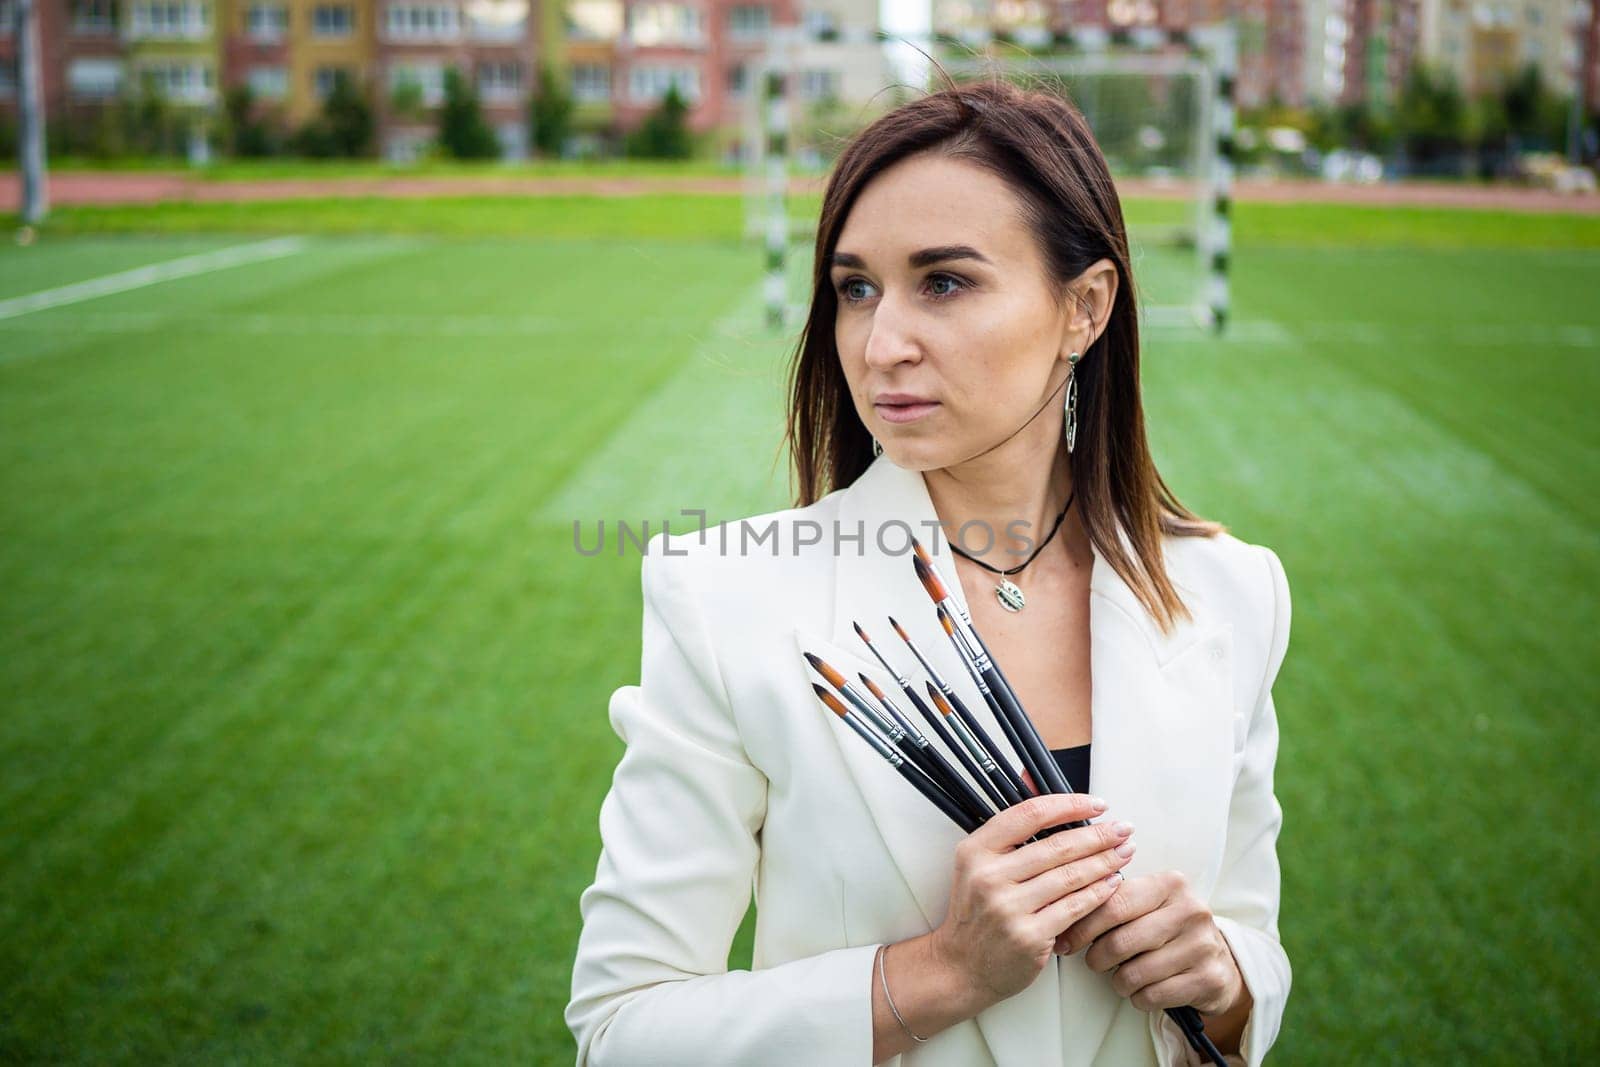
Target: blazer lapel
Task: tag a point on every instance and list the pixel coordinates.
(1158, 701)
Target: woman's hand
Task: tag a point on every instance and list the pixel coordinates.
(1163, 945)
(1010, 898)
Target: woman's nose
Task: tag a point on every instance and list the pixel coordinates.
(891, 340)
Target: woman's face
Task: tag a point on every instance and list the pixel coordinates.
(950, 335)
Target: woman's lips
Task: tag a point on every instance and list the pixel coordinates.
(904, 412)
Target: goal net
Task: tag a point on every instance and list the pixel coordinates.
(1160, 106)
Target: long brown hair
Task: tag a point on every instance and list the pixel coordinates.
(1039, 143)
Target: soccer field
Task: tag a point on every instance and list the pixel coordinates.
(305, 685)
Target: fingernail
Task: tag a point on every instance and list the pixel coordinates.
(1097, 804)
(1126, 849)
(1122, 829)
(1113, 878)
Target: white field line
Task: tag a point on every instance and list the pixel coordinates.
(138, 277)
(376, 324)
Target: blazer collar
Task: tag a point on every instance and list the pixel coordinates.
(1158, 701)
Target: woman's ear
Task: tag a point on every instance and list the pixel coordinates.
(1093, 294)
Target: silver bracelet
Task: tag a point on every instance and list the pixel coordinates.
(883, 981)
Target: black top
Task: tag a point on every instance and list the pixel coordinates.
(1074, 763)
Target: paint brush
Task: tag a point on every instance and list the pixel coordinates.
(925, 785)
(974, 728)
(965, 750)
(993, 775)
(947, 775)
(1003, 700)
(958, 625)
(886, 726)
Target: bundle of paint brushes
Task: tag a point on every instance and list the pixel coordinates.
(880, 723)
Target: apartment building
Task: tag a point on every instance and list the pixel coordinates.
(81, 57)
(493, 43)
(1271, 53)
(1484, 42)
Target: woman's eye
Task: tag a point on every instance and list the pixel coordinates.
(933, 280)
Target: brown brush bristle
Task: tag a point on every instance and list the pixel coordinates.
(922, 553)
(899, 630)
(938, 698)
(873, 687)
(860, 632)
(930, 581)
(834, 677)
(830, 700)
(944, 620)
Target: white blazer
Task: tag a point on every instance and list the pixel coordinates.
(737, 779)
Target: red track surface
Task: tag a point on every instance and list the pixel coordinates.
(155, 187)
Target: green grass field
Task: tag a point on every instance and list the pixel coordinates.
(305, 688)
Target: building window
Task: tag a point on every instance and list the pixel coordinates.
(819, 23)
(170, 19)
(8, 20)
(591, 83)
(497, 20)
(647, 83)
(738, 79)
(426, 75)
(91, 18)
(94, 79)
(327, 77)
(818, 84)
(593, 20)
(178, 79)
(266, 22)
(268, 83)
(748, 22)
(665, 24)
(333, 20)
(513, 138)
(500, 82)
(422, 22)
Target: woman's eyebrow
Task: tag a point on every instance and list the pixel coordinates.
(938, 254)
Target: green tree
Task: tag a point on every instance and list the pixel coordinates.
(344, 128)
(664, 133)
(1432, 117)
(463, 132)
(549, 114)
(249, 134)
(406, 100)
(349, 116)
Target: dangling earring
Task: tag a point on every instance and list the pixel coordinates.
(1071, 405)
(877, 449)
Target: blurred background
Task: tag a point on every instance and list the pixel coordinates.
(326, 326)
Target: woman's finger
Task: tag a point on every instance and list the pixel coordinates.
(1147, 933)
(1138, 896)
(1153, 968)
(1051, 852)
(1068, 909)
(1010, 828)
(1178, 991)
(1073, 875)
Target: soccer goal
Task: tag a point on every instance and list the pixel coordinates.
(1160, 103)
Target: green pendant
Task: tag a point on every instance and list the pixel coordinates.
(1009, 595)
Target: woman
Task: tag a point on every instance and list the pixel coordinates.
(968, 375)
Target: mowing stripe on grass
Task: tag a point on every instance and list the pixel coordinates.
(138, 277)
(725, 400)
(330, 324)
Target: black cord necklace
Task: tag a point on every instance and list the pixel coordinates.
(1006, 592)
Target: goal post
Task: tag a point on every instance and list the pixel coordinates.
(1160, 104)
